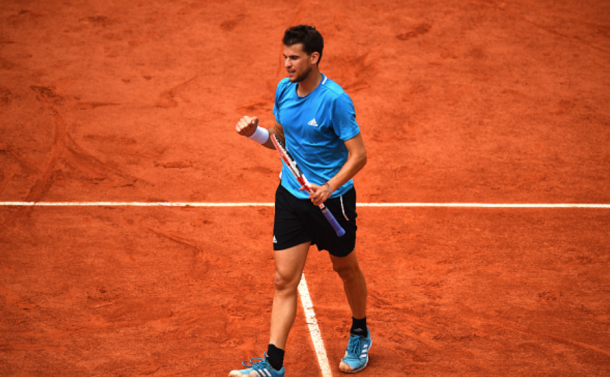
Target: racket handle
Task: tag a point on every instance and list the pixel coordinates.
(331, 219)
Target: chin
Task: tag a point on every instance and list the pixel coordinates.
(298, 78)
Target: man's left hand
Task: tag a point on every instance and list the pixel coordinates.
(319, 195)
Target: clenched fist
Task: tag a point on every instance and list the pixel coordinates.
(246, 126)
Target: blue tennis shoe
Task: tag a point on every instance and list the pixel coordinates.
(257, 367)
(357, 353)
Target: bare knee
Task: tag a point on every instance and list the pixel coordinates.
(285, 284)
(348, 272)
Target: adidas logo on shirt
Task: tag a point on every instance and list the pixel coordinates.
(313, 122)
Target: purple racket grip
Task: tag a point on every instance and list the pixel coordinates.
(331, 219)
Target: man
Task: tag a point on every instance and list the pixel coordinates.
(316, 120)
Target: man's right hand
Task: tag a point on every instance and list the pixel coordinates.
(246, 126)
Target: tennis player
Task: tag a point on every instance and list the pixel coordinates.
(316, 120)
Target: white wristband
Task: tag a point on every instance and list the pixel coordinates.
(261, 135)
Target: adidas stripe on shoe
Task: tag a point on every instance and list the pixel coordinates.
(257, 367)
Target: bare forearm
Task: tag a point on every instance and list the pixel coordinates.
(356, 160)
(355, 163)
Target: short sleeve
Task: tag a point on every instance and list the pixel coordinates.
(279, 92)
(276, 110)
(344, 118)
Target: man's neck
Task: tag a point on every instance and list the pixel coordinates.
(310, 83)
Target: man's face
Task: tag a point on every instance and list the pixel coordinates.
(297, 63)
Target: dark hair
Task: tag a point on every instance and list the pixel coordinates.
(307, 35)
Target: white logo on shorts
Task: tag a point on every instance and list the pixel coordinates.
(274, 239)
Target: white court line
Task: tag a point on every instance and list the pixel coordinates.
(314, 330)
(200, 204)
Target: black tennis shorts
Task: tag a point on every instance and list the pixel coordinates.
(299, 220)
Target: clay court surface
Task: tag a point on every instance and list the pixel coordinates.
(458, 102)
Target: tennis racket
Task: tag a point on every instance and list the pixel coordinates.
(300, 177)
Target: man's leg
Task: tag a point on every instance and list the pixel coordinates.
(354, 283)
(289, 264)
(357, 353)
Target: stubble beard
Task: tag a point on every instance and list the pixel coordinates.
(302, 76)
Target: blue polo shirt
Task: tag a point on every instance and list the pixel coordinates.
(316, 127)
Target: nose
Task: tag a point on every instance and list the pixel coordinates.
(287, 63)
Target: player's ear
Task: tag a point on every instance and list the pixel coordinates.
(315, 57)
